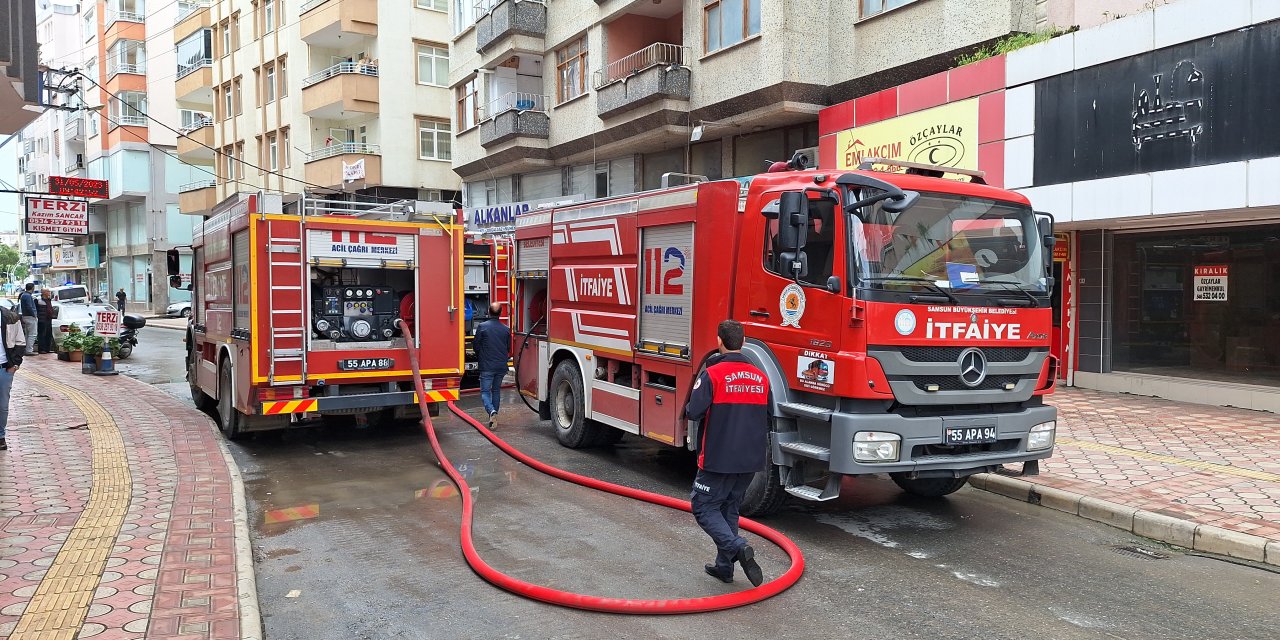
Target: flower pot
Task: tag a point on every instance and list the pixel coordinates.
(89, 364)
(64, 356)
(75, 356)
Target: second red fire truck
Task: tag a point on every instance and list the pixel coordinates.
(903, 320)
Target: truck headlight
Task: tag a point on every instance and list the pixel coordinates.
(1041, 436)
(876, 446)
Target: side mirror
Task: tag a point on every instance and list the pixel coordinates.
(833, 284)
(793, 264)
(173, 263)
(793, 221)
(898, 205)
(175, 282)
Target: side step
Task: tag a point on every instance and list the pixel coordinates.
(806, 492)
(807, 450)
(801, 410)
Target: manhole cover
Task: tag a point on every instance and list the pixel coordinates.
(1140, 553)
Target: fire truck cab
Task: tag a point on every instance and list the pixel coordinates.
(903, 321)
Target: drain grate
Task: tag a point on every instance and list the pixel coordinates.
(1141, 553)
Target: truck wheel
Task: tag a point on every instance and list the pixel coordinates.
(568, 409)
(230, 420)
(765, 495)
(198, 397)
(928, 487)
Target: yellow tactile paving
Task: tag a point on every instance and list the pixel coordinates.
(1156, 457)
(58, 608)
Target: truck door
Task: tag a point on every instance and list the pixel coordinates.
(795, 315)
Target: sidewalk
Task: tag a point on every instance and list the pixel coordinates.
(1200, 477)
(121, 514)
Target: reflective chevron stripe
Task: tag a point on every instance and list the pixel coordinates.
(288, 406)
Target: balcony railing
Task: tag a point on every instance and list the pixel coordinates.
(197, 125)
(126, 16)
(125, 67)
(131, 121)
(656, 54)
(339, 69)
(197, 185)
(341, 148)
(188, 7)
(74, 129)
(75, 166)
(188, 68)
(309, 5)
(514, 101)
(485, 6)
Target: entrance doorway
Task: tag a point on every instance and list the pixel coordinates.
(1060, 345)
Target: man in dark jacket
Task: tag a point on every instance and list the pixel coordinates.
(30, 316)
(13, 345)
(492, 345)
(731, 399)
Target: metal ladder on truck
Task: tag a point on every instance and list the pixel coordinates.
(287, 288)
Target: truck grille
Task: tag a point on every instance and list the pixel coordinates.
(952, 354)
(953, 383)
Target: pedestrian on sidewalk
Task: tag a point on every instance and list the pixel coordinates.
(15, 346)
(45, 313)
(731, 399)
(27, 307)
(492, 345)
(121, 297)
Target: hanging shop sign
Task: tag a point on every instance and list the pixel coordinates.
(1209, 283)
(945, 136)
(62, 217)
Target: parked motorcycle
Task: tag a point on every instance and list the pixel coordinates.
(128, 337)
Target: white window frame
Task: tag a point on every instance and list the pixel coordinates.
(273, 152)
(439, 130)
(269, 84)
(434, 53)
(865, 10)
(433, 5)
(268, 16)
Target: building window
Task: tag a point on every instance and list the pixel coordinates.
(571, 70)
(433, 64)
(434, 141)
(728, 22)
(239, 160)
(129, 109)
(872, 7)
(268, 16)
(284, 146)
(89, 27)
(468, 104)
(127, 56)
(239, 103)
(464, 15)
(226, 101)
(194, 52)
(226, 38)
(273, 152)
(434, 5)
(229, 153)
(283, 78)
(269, 87)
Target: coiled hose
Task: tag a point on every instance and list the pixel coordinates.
(578, 600)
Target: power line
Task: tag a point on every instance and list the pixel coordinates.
(166, 152)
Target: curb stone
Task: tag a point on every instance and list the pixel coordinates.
(1148, 524)
(246, 581)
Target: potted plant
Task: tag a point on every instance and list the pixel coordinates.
(93, 346)
(72, 344)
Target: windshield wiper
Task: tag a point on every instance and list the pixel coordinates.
(1016, 287)
(929, 284)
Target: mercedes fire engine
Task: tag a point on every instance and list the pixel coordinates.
(902, 318)
(295, 313)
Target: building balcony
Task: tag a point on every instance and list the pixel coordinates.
(342, 91)
(73, 129)
(332, 23)
(514, 115)
(193, 15)
(138, 68)
(346, 164)
(196, 144)
(198, 198)
(505, 18)
(112, 17)
(653, 73)
(194, 82)
(75, 168)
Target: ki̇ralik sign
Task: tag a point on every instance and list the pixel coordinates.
(946, 136)
(62, 217)
(1209, 283)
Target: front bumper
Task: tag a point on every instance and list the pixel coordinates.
(353, 403)
(917, 433)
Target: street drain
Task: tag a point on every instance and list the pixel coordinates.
(1140, 553)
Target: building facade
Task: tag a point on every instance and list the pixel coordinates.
(1150, 138)
(313, 97)
(575, 97)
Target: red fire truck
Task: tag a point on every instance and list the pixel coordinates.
(903, 320)
(295, 313)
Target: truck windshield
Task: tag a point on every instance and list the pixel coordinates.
(951, 242)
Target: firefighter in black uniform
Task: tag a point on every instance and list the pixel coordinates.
(731, 399)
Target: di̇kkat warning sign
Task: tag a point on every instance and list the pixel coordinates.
(1210, 283)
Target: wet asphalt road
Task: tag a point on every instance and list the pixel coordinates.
(380, 557)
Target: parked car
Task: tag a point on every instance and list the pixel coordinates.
(179, 309)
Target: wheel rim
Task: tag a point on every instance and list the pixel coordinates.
(225, 404)
(564, 406)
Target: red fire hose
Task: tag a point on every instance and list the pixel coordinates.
(578, 600)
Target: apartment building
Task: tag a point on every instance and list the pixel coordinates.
(314, 96)
(110, 131)
(594, 98)
(18, 65)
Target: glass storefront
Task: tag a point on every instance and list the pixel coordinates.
(1198, 305)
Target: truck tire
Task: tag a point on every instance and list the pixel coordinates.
(765, 495)
(230, 420)
(928, 487)
(568, 409)
(198, 397)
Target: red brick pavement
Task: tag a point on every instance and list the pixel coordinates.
(1187, 461)
(172, 571)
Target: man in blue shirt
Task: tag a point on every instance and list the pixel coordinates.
(30, 316)
(492, 345)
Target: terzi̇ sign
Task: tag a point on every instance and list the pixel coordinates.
(62, 217)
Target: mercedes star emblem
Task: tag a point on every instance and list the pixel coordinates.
(973, 367)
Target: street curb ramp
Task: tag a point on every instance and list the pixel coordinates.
(1148, 524)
